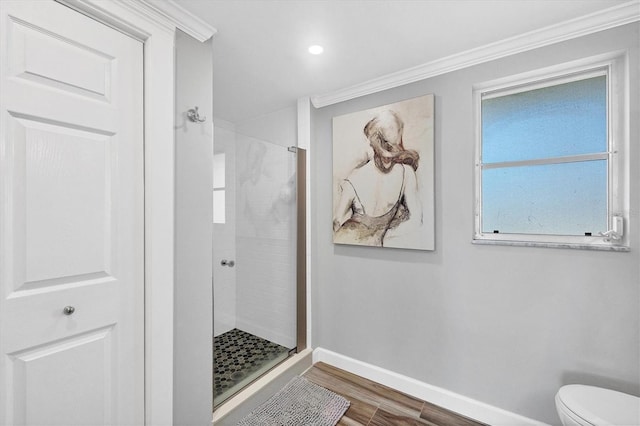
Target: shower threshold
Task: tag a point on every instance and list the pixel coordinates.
(239, 358)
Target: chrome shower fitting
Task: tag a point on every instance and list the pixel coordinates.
(194, 116)
(229, 263)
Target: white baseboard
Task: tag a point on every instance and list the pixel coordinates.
(451, 401)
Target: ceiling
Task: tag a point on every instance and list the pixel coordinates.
(260, 57)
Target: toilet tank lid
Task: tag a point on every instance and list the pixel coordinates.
(601, 406)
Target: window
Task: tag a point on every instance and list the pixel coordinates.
(218, 188)
(550, 158)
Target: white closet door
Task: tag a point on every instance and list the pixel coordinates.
(71, 219)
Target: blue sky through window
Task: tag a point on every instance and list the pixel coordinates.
(567, 119)
(556, 121)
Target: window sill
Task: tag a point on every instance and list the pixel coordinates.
(599, 247)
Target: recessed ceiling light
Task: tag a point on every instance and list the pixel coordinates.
(316, 49)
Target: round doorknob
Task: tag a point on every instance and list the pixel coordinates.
(68, 310)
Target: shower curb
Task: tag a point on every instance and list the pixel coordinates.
(238, 406)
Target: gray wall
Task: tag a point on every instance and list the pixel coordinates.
(503, 325)
(192, 352)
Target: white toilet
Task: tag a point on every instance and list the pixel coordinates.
(580, 405)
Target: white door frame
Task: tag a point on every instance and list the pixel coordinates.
(155, 26)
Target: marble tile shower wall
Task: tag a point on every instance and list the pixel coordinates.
(265, 240)
(224, 236)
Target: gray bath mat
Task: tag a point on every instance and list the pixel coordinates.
(300, 402)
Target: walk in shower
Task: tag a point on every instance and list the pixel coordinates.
(254, 258)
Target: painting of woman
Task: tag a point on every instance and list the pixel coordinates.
(379, 201)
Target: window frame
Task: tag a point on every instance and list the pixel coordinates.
(614, 65)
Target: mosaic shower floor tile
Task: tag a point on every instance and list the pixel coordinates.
(238, 359)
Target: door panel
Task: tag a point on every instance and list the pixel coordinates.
(38, 371)
(42, 57)
(71, 219)
(67, 175)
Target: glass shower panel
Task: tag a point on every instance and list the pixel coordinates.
(265, 267)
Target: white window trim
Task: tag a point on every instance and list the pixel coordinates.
(220, 188)
(615, 64)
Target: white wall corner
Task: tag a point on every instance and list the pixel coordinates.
(612, 17)
(460, 404)
(304, 123)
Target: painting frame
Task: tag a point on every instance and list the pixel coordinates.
(384, 175)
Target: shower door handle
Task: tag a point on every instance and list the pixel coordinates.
(229, 263)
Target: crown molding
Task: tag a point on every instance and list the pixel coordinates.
(119, 15)
(165, 15)
(169, 11)
(567, 30)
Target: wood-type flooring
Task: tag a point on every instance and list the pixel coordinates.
(373, 404)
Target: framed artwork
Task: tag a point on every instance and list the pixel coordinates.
(383, 176)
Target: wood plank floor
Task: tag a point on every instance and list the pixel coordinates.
(373, 404)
